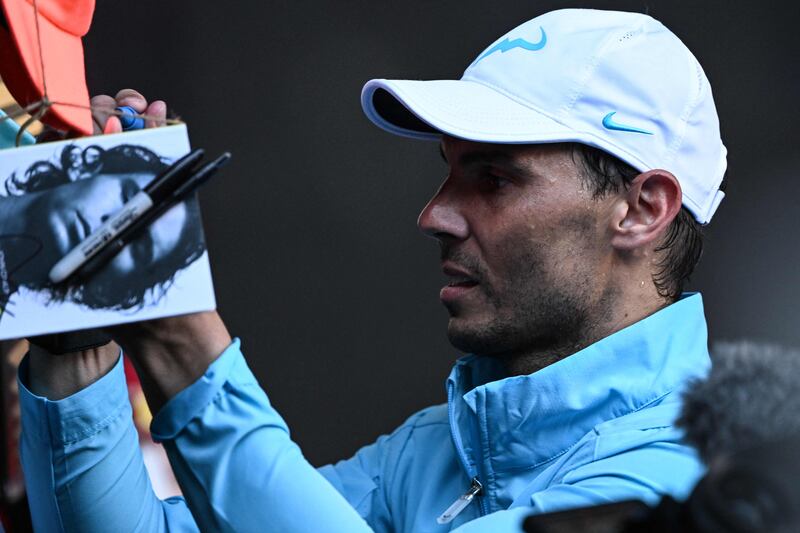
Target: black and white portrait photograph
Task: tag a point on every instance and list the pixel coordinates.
(55, 195)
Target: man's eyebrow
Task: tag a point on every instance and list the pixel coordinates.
(495, 157)
(490, 157)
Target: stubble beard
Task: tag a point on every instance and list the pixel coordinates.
(535, 316)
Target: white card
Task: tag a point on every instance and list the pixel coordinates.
(53, 195)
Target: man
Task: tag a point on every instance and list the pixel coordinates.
(572, 142)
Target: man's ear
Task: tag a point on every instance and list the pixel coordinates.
(650, 204)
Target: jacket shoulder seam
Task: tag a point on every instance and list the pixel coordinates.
(644, 405)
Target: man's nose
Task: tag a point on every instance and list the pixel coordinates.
(442, 218)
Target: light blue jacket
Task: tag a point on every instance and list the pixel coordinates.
(592, 428)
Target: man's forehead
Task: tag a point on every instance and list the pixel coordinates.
(141, 178)
(466, 152)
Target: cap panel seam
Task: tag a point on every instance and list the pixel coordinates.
(591, 67)
(688, 110)
(578, 92)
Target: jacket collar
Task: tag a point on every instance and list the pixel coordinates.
(512, 423)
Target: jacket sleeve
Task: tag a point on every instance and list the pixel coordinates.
(83, 466)
(365, 478)
(229, 449)
(235, 462)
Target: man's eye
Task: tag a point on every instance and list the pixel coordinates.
(129, 189)
(492, 181)
(143, 249)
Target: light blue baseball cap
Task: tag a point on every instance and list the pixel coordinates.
(621, 82)
(8, 133)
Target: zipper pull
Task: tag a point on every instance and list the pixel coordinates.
(461, 503)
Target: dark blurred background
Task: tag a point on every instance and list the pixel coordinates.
(317, 261)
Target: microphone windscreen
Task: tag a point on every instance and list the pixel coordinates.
(749, 398)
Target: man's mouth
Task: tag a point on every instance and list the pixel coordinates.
(459, 282)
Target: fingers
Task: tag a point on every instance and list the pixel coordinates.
(103, 107)
(131, 98)
(113, 125)
(158, 111)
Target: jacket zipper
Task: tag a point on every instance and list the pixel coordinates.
(461, 503)
(475, 485)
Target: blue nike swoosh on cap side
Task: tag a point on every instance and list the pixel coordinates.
(609, 124)
(506, 44)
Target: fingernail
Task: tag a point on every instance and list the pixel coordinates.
(113, 125)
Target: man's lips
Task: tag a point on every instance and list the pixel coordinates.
(460, 282)
(458, 275)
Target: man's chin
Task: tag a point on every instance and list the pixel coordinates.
(472, 336)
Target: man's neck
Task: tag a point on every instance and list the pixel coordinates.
(520, 364)
(536, 358)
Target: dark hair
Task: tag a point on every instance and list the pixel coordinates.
(121, 159)
(39, 176)
(683, 241)
(65, 153)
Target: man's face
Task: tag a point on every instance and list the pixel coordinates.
(524, 246)
(70, 213)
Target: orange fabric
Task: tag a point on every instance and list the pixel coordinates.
(72, 16)
(62, 55)
(141, 411)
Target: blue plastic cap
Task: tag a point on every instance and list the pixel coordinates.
(129, 119)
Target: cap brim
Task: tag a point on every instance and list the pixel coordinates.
(464, 109)
(60, 66)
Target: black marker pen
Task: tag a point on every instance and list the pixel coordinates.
(154, 193)
(113, 247)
